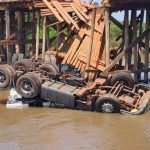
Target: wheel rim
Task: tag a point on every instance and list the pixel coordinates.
(107, 107)
(27, 87)
(2, 78)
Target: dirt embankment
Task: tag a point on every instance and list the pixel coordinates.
(4, 96)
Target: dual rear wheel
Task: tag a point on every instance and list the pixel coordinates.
(28, 85)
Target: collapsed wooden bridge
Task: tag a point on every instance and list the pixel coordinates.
(83, 34)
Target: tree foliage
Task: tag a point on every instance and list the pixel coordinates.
(114, 33)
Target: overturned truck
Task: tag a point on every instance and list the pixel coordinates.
(44, 83)
(95, 78)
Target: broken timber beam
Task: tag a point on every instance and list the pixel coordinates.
(107, 37)
(120, 56)
(89, 53)
(53, 10)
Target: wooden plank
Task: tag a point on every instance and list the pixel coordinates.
(126, 38)
(93, 63)
(33, 33)
(7, 35)
(83, 67)
(135, 50)
(120, 56)
(74, 46)
(78, 2)
(107, 30)
(62, 12)
(77, 64)
(20, 25)
(77, 13)
(53, 10)
(81, 50)
(147, 38)
(37, 35)
(67, 15)
(81, 11)
(44, 38)
(89, 53)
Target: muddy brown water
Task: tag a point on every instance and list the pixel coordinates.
(63, 129)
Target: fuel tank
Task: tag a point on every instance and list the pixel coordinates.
(59, 93)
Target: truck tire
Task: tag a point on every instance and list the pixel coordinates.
(35, 77)
(13, 71)
(108, 103)
(55, 66)
(49, 67)
(123, 77)
(4, 77)
(28, 86)
(7, 74)
(24, 64)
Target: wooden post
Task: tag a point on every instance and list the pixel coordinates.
(89, 53)
(1, 30)
(147, 46)
(47, 38)
(7, 35)
(58, 40)
(139, 44)
(44, 37)
(135, 50)
(126, 38)
(20, 26)
(107, 37)
(33, 32)
(37, 35)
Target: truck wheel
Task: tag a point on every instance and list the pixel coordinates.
(35, 77)
(123, 77)
(13, 71)
(49, 67)
(24, 64)
(108, 103)
(4, 77)
(27, 86)
(55, 66)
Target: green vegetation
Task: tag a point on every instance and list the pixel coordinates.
(114, 33)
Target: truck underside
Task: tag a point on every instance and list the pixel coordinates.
(114, 94)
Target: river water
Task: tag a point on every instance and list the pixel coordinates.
(63, 129)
